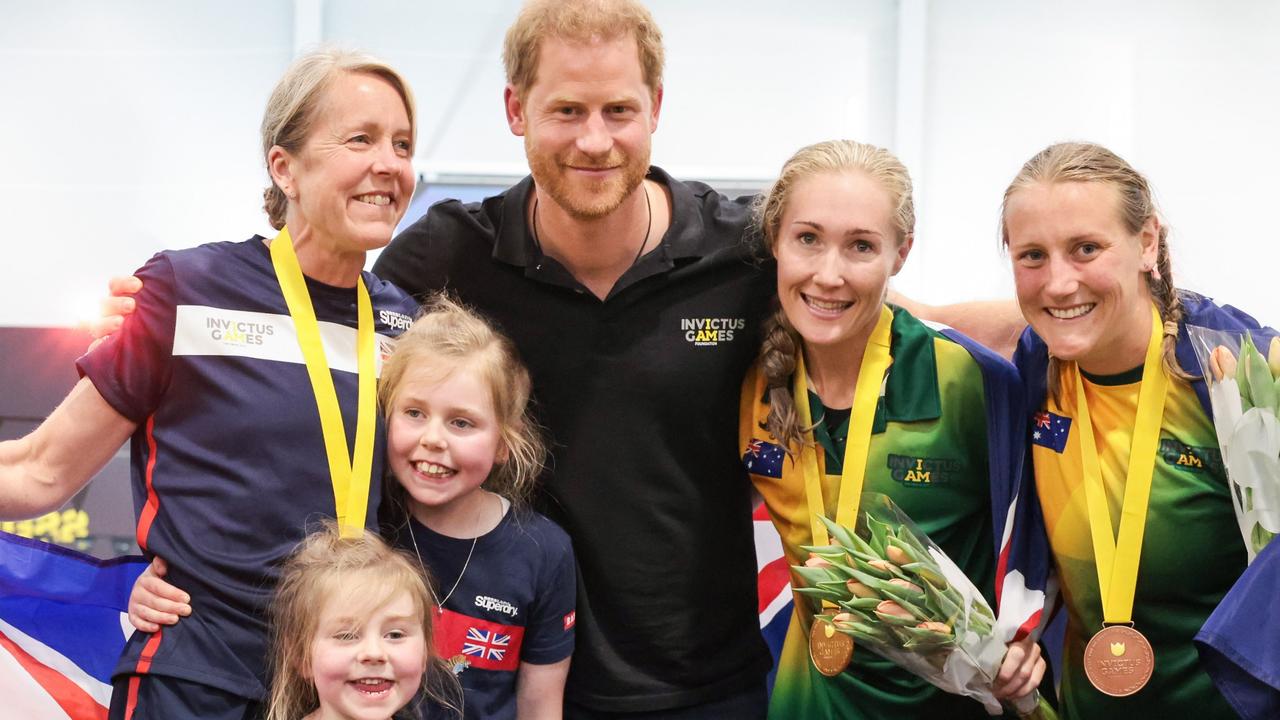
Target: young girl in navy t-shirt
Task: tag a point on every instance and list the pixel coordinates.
(464, 451)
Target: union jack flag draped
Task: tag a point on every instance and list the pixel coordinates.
(773, 585)
(62, 628)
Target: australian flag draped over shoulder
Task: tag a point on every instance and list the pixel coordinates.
(1024, 581)
(62, 628)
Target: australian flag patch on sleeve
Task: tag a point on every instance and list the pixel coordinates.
(1050, 430)
(763, 458)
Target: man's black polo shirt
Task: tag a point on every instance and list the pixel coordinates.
(639, 393)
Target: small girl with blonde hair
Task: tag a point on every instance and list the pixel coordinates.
(351, 634)
(464, 453)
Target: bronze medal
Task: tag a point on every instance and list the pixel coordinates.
(1118, 661)
(829, 649)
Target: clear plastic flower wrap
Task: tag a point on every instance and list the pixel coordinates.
(898, 595)
(1244, 390)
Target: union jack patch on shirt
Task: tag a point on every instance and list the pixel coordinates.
(490, 645)
(484, 644)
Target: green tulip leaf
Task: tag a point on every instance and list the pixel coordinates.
(903, 595)
(1262, 389)
(902, 544)
(867, 568)
(926, 572)
(840, 533)
(871, 635)
(811, 576)
(879, 535)
(858, 604)
(820, 593)
(947, 610)
(925, 645)
(921, 551)
(1242, 373)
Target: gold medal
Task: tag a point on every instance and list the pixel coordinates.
(829, 649)
(1118, 661)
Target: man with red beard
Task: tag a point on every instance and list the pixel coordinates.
(633, 300)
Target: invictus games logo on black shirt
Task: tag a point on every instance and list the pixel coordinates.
(703, 332)
(923, 471)
(1186, 457)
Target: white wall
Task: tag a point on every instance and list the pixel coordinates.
(1187, 91)
(128, 127)
(131, 125)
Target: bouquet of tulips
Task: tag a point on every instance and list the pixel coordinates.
(1244, 390)
(898, 595)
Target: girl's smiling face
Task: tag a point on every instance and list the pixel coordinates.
(443, 435)
(366, 669)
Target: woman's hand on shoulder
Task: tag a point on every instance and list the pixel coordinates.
(116, 306)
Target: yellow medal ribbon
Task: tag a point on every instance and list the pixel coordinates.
(350, 477)
(875, 362)
(1117, 556)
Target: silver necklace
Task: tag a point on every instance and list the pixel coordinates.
(648, 228)
(440, 605)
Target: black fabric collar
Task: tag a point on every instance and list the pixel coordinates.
(1128, 377)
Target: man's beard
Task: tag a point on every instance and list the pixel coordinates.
(586, 199)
